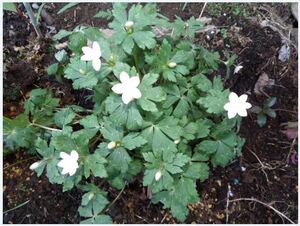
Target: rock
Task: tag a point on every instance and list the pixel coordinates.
(284, 52)
(35, 6)
(262, 82)
(294, 8)
(204, 20)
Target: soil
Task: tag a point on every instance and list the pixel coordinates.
(266, 171)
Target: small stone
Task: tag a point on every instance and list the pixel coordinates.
(35, 6)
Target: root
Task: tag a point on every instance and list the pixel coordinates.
(269, 205)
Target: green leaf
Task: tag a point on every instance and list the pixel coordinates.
(150, 94)
(202, 82)
(111, 132)
(208, 146)
(61, 56)
(10, 6)
(66, 7)
(270, 101)
(62, 142)
(144, 39)
(128, 44)
(133, 140)
(214, 101)
(122, 114)
(104, 14)
(197, 170)
(90, 122)
(52, 69)
(77, 40)
(261, 119)
(208, 60)
(93, 34)
(81, 73)
(43, 149)
(256, 109)
(95, 164)
(103, 219)
(270, 112)
(64, 117)
(18, 132)
(61, 34)
(120, 159)
(223, 155)
(41, 106)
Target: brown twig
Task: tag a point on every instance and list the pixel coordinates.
(203, 8)
(265, 204)
(261, 163)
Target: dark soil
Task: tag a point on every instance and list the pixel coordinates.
(265, 172)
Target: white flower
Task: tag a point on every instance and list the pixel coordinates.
(177, 141)
(128, 87)
(237, 69)
(158, 175)
(92, 54)
(129, 24)
(111, 145)
(69, 162)
(35, 165)
(172, 64)
(237, 105)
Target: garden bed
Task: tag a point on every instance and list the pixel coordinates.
(246, 191)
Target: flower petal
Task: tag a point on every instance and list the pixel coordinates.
(97, 50)
(242, 112)
(233, 97)
(74, 155)
(72, 171)
(118, 88)
(136, 93)
(124, 77)
(96, 64)
(243, 98)
(135, 81)
(231, 114)
(88, 53)
(248, 105)
(227, 106)
(64, 155)
(61, 163)
(64, 171)
(126, 98)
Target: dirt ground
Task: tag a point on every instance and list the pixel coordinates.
(266, 175)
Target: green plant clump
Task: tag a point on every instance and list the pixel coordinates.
(155, 114)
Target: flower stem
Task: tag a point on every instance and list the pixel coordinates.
(135, 57)
(45, 127)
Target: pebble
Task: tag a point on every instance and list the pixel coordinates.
(284, 52)
(243, 168)
(35, 6)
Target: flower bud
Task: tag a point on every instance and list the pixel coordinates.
(176, 141)
(158, 175)
(111, 145)
(81, 71)
(129, 24)
(91, 196)
(34, 165)
(172, 64)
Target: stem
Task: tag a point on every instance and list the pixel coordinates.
(19, 162)
(118, 196)
(17, 207)
(45, 127)
(33, 19)
(134, 53)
